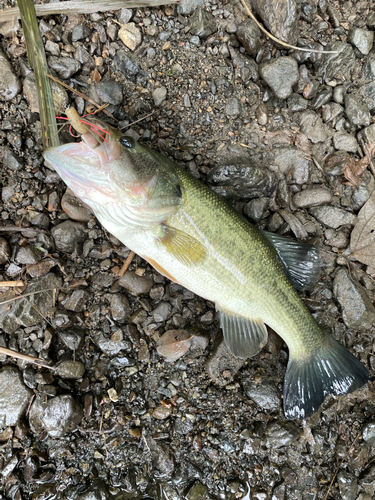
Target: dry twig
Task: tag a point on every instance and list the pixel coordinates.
(77, 92)
(25, 357)
(4, 284)
(23, 296)
(126, 264)
(84, 7)
(279, 41)
(139, 120)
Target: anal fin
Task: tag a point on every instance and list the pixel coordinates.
(302, 261)
(244, 337)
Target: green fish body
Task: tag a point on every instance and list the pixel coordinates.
(193, 237)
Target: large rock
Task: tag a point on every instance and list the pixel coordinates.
(314, 128)
(263, 393)
(369, 66)
(222, 366)
(333, 217)
(312, 197)
(281, 434)
(293, 163)
(120, 307)
(362, 39)
(280, 17)
(356, 306)
(56, 416)
(10, 85)
(14, 396)
(59, 95)
(248, 34)
(68, 236)
(25, 313)
(348, 485)
(110, 91)
(202, 23)
(242, 180)
(128, 65)
(367, 92)
(280, 75)
(136, 285)
(65, 67)
(75, 208)
(336, 65)
(187, 7)
(358, 113)
(131, 36)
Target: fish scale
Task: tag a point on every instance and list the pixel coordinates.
(192, 236)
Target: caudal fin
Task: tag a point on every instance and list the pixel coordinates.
(331, 369)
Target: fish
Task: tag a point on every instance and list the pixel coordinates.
(193, 237)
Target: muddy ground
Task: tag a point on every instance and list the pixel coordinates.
(114, 418)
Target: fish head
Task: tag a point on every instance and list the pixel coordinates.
(113, 169)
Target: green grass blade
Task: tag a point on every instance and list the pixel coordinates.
(38, 61)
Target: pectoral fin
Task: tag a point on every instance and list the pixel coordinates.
(244, 337)
(302, 261)
(182, 246)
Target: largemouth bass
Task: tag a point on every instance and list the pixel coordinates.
(193, 237)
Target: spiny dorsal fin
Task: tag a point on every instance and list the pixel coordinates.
(244, 337)
(182, 246)
(302, 261)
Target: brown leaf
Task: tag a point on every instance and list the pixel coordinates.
(362, 239)
(96, 76)
(303, 143)
(354, 169)
(370, 146)
(174, 344)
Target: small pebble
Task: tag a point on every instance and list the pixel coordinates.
(161, 412)
(130, 35)
(159, 95)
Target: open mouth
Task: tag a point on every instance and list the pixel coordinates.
(80, 167)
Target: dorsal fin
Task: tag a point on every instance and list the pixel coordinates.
(302, 261)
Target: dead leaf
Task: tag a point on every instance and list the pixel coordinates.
(362, 239)
(369, 149)
(96, 76)
(303, 143)
(174, 344)
(354, 169)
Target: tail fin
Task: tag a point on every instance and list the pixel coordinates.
(331, 369)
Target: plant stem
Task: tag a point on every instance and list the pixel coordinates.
(38, 61)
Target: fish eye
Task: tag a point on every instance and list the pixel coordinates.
(127, 141)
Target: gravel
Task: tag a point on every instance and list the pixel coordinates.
(271, 130)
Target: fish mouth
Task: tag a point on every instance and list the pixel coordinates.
(85, 166)
(82, 167)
